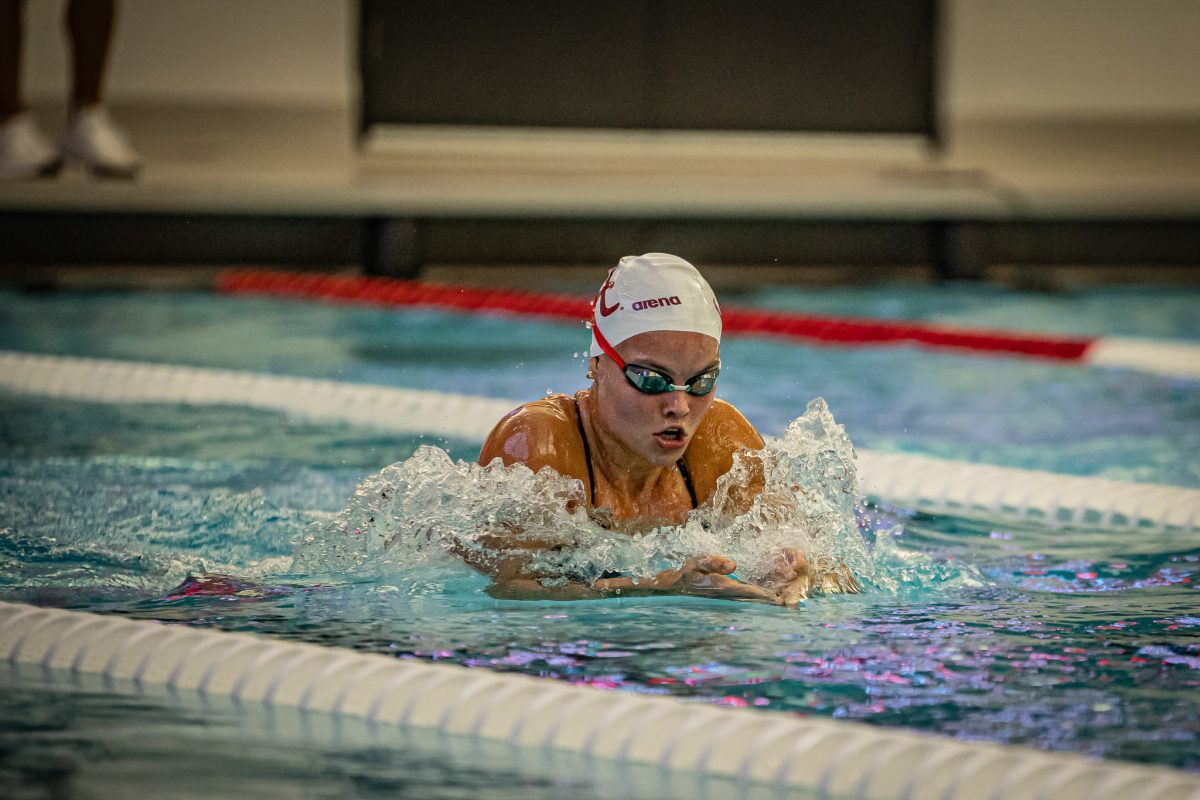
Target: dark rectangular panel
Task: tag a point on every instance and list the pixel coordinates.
(791, 65)
(853, 65)
(503, 62)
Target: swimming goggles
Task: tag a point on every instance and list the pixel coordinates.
(651, 381)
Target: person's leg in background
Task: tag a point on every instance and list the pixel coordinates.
(89, 25)
(25, 152)
(92, 138)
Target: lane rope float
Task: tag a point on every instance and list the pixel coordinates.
(831, 757)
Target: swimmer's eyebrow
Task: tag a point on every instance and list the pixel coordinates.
(660, 368)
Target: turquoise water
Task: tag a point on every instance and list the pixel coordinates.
(57, 739)
(1076, 640)
(1023, 413)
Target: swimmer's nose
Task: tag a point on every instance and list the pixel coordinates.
(677, 404)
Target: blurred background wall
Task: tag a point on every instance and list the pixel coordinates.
(1001, 58)
(280, 52)
(1071, 58)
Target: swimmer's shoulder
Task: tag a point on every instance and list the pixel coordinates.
(723, 433)
(542, 433)
(725, 429)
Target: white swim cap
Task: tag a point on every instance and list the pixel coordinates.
(654, 292)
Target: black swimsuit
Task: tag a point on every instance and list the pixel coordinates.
(587, 454)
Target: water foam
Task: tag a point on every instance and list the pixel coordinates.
(427, 508)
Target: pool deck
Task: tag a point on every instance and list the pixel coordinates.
(306, 162)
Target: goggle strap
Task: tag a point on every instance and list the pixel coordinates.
(604, 345)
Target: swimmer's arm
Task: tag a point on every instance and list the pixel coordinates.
(505, 558)
(531, 589)
(508, 565)
(539, 434)
(705, 576)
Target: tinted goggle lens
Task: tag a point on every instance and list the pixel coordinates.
(647, 381)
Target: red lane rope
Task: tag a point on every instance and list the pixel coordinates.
(840, 330)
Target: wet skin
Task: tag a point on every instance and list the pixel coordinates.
(636, 440)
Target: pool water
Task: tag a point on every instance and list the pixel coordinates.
(1066, 639)
(57, 739)
(1012, 412)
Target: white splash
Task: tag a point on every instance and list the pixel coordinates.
(429, 508)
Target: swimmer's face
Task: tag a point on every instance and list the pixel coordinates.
(657, 427)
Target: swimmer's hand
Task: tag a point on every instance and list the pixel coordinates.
(793, 578)
(705, 576)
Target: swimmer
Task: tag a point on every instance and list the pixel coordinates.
(648, 439)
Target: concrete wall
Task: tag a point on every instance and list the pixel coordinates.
(1000, 57)
(1072, 58)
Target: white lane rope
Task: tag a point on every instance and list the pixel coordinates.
(791, 752)
(1175, 359)
(108, 381)
(982, 491)
(918, 482)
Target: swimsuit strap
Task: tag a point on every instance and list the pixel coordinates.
(687, 481)
(587, 454)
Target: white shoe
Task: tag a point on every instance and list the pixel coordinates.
(94, 140)
(25, 152)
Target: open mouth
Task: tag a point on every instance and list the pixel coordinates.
(671, 437)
